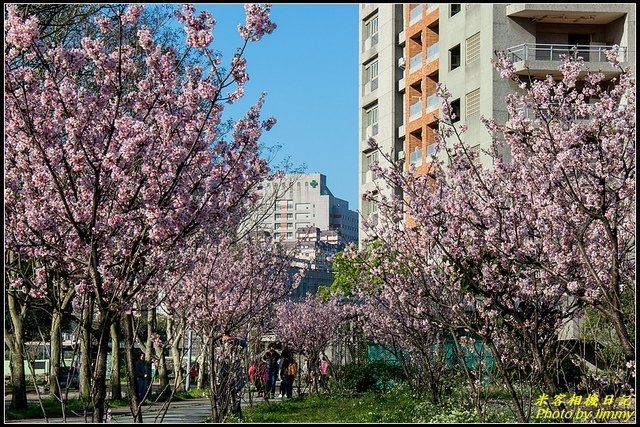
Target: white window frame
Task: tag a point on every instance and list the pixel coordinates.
(371, 75)
(371, 31)
(372, 116)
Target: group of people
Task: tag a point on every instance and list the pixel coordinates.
(265, 371)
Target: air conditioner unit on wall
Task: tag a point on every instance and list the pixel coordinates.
(402, 62)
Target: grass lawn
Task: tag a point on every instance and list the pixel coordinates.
(52, 408)
(397, 405)
(373, 407)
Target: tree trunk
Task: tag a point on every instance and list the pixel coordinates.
(163, 375)
(161, 364)
(512, 393)
(54, 358)
(148, 353)
(215, 396)
(85, 357)
(202, 360)
(615, 316)
(100, 372)
(15, 340)
(134, 405)
(116, 385)
(174, 335)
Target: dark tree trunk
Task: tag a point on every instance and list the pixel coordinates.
(15, 341)
(116, 385)
(54, 359)
(134, 404)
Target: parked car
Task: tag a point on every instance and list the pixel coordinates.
(69, 376)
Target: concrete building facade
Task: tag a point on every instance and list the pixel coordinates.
(379, 105)
(298, 201)
(422, 45)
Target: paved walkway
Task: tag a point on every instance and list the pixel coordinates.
(190, 411)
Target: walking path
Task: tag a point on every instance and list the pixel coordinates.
(190, 411)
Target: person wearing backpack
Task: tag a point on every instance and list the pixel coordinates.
(288, 373)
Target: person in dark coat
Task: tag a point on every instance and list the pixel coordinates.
(288, 372)
(142, 371)
(271, 359)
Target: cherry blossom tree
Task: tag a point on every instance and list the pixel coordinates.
(307, 325)
(115, 163)
(233, 285)
(577, 157)
(514, 251)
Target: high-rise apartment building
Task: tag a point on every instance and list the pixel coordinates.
(380, 104)
(407, 49)
(298, 201)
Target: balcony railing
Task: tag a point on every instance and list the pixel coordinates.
(433, 102)
(415, 110)
(415, 62)
(433, 52)
(415, 14)
(553, 52)
(416, 157)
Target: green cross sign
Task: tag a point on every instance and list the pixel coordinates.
(314, 183)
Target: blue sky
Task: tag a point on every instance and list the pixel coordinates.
(309, 68)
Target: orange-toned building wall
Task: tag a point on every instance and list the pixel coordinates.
(421, 82)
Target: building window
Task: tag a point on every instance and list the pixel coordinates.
(473, 48)
(454, 8)
(371, 159)
(455, 110)
(371, 31)
(284, 204)
(372, 121)
(454, 57)
(473, 103)
(371, 76)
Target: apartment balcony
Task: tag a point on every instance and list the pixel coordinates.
(539, 59)
(433, 102)
(415, 111)
(567, 13)
(415, 14)
(431, 151)
(549, 112)
(415, 63)
(433, 52)
(416, 157)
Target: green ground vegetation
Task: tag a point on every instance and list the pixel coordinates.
(396, 405)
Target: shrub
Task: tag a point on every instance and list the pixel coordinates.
(363, 377)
